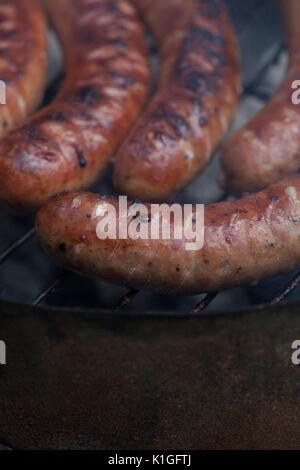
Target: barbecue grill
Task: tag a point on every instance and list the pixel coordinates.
(76, 314)
(27, 276)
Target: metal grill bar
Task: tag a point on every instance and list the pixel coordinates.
(126, 300)
(17, 244)
(204, 303)
(49, 289)
(295, 282)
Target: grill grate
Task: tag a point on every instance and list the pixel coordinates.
(263, 58)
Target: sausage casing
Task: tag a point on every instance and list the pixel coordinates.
(68, 144)
(196, 98)
(23, 58)
(245, 241)
(268, 147)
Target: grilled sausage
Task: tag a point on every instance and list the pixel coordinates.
(23, 57)
(268, 147)
(244, 241)
(68, 144)
(196, 98)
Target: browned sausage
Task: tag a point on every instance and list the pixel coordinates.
(244, 241)
(23, 57)
(68, 144)
(196, 98)
(268, 147)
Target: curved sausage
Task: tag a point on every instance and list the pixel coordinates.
(23, 58)
(268, 147)
(68, 144)
(196, 98)
(244, 241)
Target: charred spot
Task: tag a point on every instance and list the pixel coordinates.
(189, 41)
(197, 31)
(197, 82)
(88, 216)
(203, 120)
(32, 131)
(90, 36)
(217, 74)
(4, 124)
(6, 80)
(178, 268)
(118, 42)
(239, 270)
(123, 80)
(84, 114)
(274, 198)
(20, 73)
(183, 66)
(89, 96)
(10, 35)
(61, 116)
(121, 27)
(158, 135)
(80, 156)
(113, 7)
(177, 122)
(217, 59)
(62, 247)
(49, 157)
(202, 37)
(180, 125)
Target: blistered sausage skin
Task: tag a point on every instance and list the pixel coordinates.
(23, 58)
(268, 147)
(68, 144)
(244, 241)
(196, 98)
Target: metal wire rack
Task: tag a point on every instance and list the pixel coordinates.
(263, 57)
